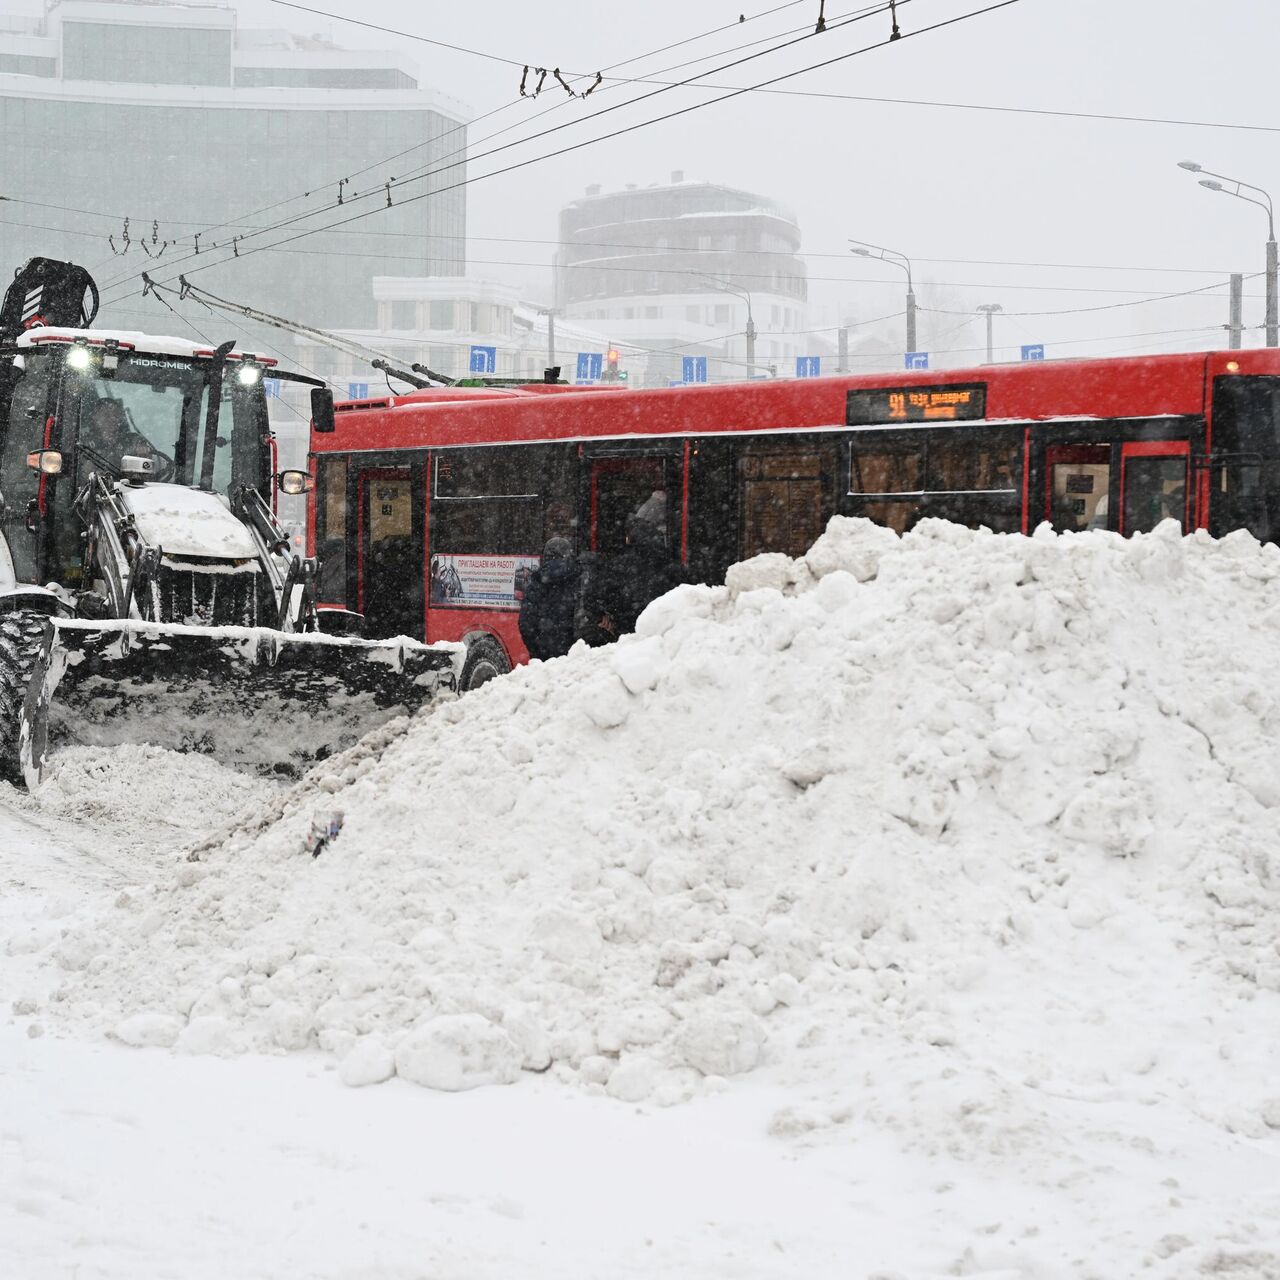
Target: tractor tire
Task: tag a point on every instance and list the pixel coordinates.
(485, 660)
(21, 631)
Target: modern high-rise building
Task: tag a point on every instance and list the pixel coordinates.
(183, 121)
(686, 269)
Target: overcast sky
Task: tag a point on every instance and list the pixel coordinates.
(942, 184)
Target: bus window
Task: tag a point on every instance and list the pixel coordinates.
(876, 468)
(619, 488)
(1155, 489)
(1079, 487)
(1237, 497)
(486, 525)
(331, 529)
(391, 552)
(784, 501)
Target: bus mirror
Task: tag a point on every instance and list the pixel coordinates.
(321, 409)
(295, 482)
(47, 461)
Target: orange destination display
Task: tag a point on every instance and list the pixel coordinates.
(916, 404)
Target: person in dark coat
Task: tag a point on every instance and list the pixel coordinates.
(550, 597)
(640, 573)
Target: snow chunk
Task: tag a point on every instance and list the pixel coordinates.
(456, 1052)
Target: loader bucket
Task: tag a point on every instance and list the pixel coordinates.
(258, 700)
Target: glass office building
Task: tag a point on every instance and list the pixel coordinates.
(175, 117)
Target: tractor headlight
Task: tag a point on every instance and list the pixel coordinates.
(249, 374)
(79, 357)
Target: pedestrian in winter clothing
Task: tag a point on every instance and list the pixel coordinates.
(550, 597)
(641, 572)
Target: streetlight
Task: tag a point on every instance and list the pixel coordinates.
(1273, 317)
(990, 308)
(745, 294)
(863, 249)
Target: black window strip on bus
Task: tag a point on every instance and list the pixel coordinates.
(989, 461)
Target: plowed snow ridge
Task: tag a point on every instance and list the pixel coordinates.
(1002, 803)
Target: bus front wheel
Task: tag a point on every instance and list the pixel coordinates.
(485, 660)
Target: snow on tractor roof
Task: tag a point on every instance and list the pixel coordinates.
(150, 343)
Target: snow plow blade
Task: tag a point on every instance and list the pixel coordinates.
(255, 699)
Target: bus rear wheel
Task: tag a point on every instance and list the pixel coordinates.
(485, 660)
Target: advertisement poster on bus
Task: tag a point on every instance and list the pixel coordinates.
(480, 582)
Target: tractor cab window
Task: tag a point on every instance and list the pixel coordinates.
(157, 407)
(28, 384)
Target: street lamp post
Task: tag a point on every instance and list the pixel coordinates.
(864, 249)
(745, 295)
(1213, 181)
(990, 308)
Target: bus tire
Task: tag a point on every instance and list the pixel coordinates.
(485, 660)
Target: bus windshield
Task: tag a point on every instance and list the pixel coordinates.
(157, 407)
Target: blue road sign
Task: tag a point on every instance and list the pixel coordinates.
(1034, 352)
(808, 366)
(272, 388)
(695, 368)
(590, 366)
(917, 360)
(483, 360)
(357, 390)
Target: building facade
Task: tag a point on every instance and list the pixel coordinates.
(680, 270)
(182, 121)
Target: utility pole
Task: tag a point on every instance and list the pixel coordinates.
(1273, 321)
(990, 308)
(751, 342)
(911, 315)
(550, 313)
(1235, 325)
(842, 350)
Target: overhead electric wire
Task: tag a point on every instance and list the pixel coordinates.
(1107, 306)
(989, 8)
(416, 175)
(999, 4)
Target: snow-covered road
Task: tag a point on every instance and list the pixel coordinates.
(955, 858)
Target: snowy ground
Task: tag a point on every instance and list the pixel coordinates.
(952, 862)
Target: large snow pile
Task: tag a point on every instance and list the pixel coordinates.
(994, 807)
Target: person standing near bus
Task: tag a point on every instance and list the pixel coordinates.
(640, 573)
(550, 598)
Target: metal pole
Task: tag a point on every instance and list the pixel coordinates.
(1235, 324)
(1273, 322)
(551, 338)
(911, 316)
(990, 353)
(751, 344)
(842, 350)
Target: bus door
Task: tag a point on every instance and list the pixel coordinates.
(783, 499)
(389, 563)
(1078, 486)
(1153, 484)
(623, 486)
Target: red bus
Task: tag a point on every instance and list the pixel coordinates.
(430, 509)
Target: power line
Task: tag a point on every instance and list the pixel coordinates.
(1107, 306)
(419, 174)
(999, 4)
(595, 115)
(373, 26)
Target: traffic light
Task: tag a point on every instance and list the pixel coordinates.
(611, 365)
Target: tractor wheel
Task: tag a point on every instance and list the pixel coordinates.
(21, 632)
(485, 659)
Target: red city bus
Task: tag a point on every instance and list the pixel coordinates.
(431, 509)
